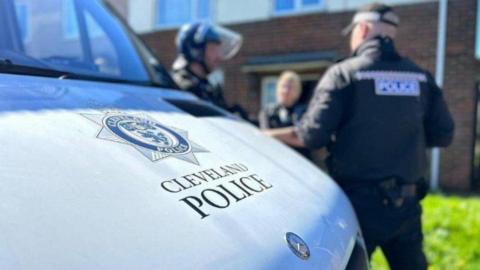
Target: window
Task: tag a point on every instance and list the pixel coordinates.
(307, 3)
(284, 5)
(69, 19)
(23, 20)
(269, 91)
(51, 35)
(294, 6)
(172, 13)
(70, 22)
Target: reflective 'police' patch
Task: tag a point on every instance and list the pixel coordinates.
(391, 83)
(151, 138)
(397, 87)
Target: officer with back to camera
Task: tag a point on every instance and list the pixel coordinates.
(377, 112)
(201, 48)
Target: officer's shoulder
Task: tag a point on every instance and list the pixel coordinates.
(344, 69)
(276, 107)
(270, 108)
(348, 64)
(414, 66)
(184, 79)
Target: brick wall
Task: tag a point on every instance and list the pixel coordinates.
(417, 39)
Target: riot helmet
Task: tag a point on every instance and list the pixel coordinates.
(192, 40)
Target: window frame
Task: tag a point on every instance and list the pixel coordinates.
(264, 88)
(193, 15)
(298, 8)
(93, 30)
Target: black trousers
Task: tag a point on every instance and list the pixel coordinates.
(396, 230)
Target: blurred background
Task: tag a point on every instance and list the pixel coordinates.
(304, 36)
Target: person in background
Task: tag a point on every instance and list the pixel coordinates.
(378, 112)
(287, 111)
(201, 48)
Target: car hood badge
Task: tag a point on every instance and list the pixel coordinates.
(152, 139)
(297, 246)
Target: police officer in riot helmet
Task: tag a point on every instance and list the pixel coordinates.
(201, 47)
(377, 112)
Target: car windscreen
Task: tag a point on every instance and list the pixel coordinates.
(72, 36)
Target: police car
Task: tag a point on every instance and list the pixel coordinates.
(102, 167)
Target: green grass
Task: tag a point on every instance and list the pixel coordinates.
(451, 226)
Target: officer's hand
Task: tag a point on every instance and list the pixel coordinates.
(269, 132)
(286, 135)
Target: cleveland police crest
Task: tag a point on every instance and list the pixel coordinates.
(151, 138)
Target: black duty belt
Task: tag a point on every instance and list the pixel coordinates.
(392, 192)
(395, 193)
(405, 190)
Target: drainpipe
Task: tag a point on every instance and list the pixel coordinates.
(439, 74)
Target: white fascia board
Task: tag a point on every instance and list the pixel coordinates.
(229, 12)
(141, 15)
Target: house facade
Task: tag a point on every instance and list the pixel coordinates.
(304, 36)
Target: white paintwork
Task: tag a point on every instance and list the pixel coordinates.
(141, 14)
(342, 5)
(72, 201)
(229, 12)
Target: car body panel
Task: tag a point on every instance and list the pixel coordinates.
(75, 196)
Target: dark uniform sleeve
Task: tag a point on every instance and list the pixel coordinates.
(439, 125)
(298, 111)
(326, 109)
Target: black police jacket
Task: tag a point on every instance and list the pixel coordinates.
(201, 87)
(279, 116)
(377, 112)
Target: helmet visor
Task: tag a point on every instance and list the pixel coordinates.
(230, 42)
